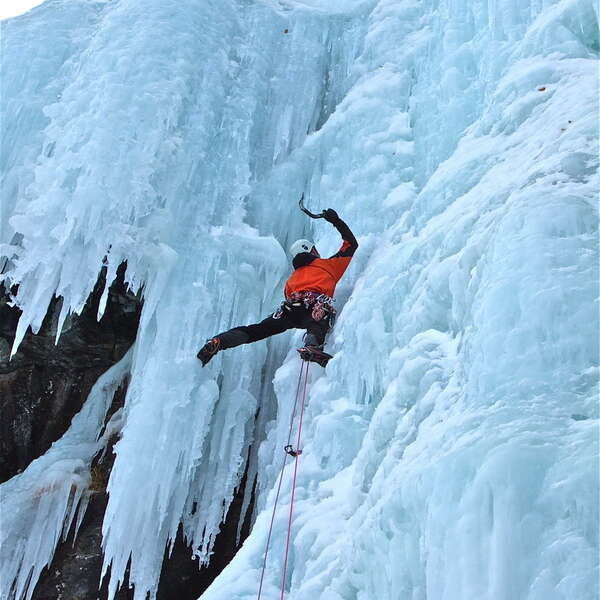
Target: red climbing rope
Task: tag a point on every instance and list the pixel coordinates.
(297, 456)
(262, 575)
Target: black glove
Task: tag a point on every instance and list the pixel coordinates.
(331, 216)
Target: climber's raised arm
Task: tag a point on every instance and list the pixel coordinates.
(349, 244)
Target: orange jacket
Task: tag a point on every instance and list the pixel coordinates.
(321, 275)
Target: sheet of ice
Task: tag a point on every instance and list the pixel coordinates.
(451, 444)
(188, 148)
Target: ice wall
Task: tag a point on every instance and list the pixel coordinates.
(451, 445)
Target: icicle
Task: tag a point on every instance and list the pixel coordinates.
(40, 504)
(62, 317)
(439, 134)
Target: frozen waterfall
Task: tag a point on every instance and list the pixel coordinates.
(451, 446)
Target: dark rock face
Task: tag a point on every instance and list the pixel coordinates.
(41, 390)
(75, 571)
(45, 385)
(181, 579)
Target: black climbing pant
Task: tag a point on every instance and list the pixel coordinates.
(297, 318)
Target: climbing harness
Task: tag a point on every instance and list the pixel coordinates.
(320, 305)
(295, 453)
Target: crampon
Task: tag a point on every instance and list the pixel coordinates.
(314, 354)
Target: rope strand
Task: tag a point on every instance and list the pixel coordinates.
(262, 575)
(297, 457)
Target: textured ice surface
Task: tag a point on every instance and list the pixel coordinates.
(451, 444)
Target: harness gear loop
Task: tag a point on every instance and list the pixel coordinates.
(320, 305)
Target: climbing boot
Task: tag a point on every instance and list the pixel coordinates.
(209, 349)
(314, 354)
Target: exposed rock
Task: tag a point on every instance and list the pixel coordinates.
(41, 389)
(45, 385)
(75, 571)
(181, 579)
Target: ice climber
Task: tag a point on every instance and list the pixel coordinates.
(308, 299)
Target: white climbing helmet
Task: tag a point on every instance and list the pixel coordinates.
(300, 246)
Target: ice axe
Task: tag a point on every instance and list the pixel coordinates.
(310, 214)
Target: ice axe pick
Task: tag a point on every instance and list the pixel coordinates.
(305, 210)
